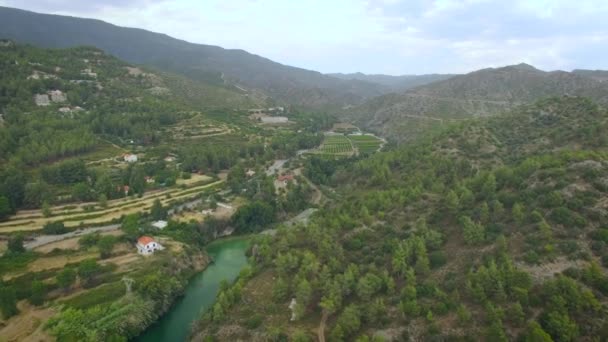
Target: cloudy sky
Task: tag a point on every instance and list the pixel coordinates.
(372, 36)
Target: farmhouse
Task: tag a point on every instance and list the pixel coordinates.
(146, 245)
(274, 119)
(130, 158)
(57, 96)
(285, 179)
(42, 100)
(160, 224)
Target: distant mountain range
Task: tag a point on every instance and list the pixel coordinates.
(206, 63)
(480, 93)
(396, 83)
(399, 107)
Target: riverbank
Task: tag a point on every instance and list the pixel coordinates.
(228, 255)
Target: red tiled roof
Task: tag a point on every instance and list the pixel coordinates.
(285, 177)
(144, 240)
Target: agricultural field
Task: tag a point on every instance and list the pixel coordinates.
(365, 143)
(338, 145)
(347, 145)
(93, 214)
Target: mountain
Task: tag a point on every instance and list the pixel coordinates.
(395, 83)
(56, 103)
(598, 75)
(211, 64)
(495, 229)
(480, 93)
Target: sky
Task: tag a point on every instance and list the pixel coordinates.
(372, 36)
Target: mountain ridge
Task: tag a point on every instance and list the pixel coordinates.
(483, 92)
(198, 61)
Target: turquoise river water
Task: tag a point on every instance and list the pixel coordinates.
(229, 258)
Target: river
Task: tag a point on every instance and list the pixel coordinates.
(229, 258)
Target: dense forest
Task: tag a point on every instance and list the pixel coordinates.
(491, 229)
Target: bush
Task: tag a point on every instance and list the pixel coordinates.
(54, 228)
(437, 259)
(253, 321)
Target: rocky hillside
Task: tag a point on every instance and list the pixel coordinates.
(494, 229)
(481, 93)
(396, 83)
(210, 64)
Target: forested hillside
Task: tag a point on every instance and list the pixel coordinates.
(402, 117)
(56, 104)
(396, 84)
(492, 229)
(209, 64)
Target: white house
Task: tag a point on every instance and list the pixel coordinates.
(130, 158)
(146, 245)
(160, 224)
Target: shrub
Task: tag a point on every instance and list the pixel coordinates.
(54, 228)
(437, 259)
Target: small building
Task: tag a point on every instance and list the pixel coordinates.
(42, 100)
(285, 179)
(57, 96)
(88, 72)
(207, 212)
(149, 179)
(250, 173)
(130, 158)
(223, 205)
(169, 159)
(146, 245)
(160, 224)
(274, 119)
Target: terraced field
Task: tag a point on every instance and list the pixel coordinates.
(90, 214)
(336, 145)
(366, 143)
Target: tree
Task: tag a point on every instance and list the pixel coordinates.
(8, 301)
(518, 213)
(350, 320)
(157, 212)
(38, 292)
(536, 333)
(87, 270)
(46, 209)
(105, 245)
(488, 189)
(236, 178)
(5, 208)
(15, 244)
(280, 290)
(81, 192)
(54, 228)
(452, 203)
(560, 326)
(464, 315)
(65, 278)
(130, 225)
(103, 200)
(473, 233)
(303, 292)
